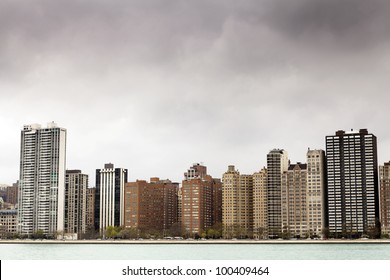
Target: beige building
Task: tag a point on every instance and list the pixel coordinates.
(237, 204)
(303, 195)
(316, 187)
(384, 180)
(294, 212)
(260, 218)
(8, 223)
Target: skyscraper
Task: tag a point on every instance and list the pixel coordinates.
(109, 197)
(294, 215)
(76, 185)
(237, 206)
(197, 199)
(316, 192)
(352, 172)
(277, 163)
(90, 216)
(42, 179)
(384, 177)
(260, 207)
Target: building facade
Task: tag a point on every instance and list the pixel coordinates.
(197, 200)
(384, 179)
(76, 185)
(352, 174)
(90, 215)
(12, 193)
(41, 196)
(277, 163)
(294, 204)
(237, 206)
(109, 197)
(316, 193)
(260, 207)
(8, 223)
(151, 206)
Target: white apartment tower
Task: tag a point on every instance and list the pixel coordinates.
(109, 197)
(41, 195)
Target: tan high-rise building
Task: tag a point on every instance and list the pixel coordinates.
(151, 206)
(198, 190)
(316, 187)
(384, 179)
(260, 218)
(76, 185)
(294, 215)
(237, 206)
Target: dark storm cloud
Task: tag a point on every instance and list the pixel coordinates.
(348, 23)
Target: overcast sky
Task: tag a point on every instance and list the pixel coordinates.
(156, 85)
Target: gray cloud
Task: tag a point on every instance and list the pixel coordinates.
(156, 85)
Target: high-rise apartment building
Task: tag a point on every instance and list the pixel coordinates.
(76, 185)
(197, 199)
(179, 205)
(12, 193)
(294, 204)
(316, 193)
(260, 207)
(352, 174)
(90, 215)
(277, 163)
(109, 197)
(42, 179)
(384, 179)
(217, 201)
(151, 206)
(237, 205)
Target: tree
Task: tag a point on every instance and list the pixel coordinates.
(112, 232)
(39, 234)
(175, 230)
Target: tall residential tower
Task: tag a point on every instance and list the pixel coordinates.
(109, 197)
(42, 179)
(277, 163)
(353, 195)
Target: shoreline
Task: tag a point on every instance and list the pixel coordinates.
(197, 242)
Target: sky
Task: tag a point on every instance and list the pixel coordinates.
(157, 85)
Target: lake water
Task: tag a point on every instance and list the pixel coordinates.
(195, 251)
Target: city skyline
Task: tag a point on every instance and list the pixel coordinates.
(154, 86)
(152, 173)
